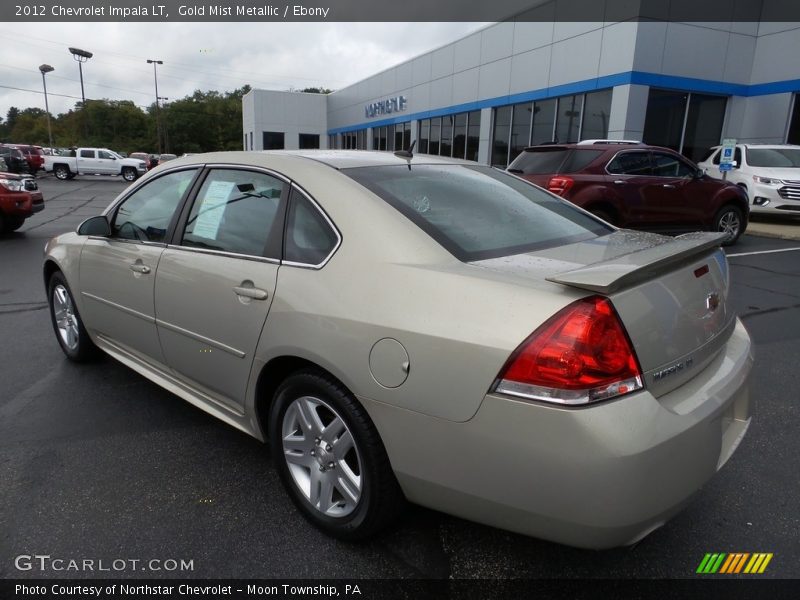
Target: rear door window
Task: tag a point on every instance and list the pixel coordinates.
(236, 211)
(310, 237)
(631, 163)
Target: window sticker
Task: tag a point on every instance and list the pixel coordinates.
(212, 209)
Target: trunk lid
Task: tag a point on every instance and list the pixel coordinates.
(670, 293)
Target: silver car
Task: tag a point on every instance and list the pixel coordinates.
(415, 328)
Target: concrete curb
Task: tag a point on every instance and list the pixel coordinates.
(785, 229)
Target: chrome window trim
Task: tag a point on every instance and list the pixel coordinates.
(128, 241)
(315, 204)
(224, 253)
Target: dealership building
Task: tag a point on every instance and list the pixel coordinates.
(528, 81)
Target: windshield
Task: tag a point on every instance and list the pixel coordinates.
(773, 157)
(477, 212)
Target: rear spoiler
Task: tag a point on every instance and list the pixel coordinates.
(623, 271)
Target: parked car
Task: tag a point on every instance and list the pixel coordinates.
(143, 156)
(94, 161)
(14, 159)
(636, 186)
(165, 158)
(19, 199)
(770, 174)
(419, 328)
(33, 155)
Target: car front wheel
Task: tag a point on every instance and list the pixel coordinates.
(9, 224)
(330, 457)
(129, 174)
(729, 220)
(67, 324)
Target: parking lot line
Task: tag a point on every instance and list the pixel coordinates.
(763, 252)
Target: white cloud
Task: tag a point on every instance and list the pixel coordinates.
(205, 56)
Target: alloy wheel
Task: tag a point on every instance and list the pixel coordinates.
(65, 317)
(322, 456)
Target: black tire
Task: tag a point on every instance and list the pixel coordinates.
(129, 174)
(9, 224)
(380, 499)
(729, 219)
(62, 172)
(83, 349)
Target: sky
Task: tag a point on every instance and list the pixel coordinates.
(204, 56)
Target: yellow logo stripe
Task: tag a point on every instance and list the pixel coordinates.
(764, 564)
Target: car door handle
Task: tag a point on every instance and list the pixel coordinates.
(669, 186)
(619, 182)
(140, 268)
(251, 292)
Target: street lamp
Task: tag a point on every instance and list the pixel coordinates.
(158, 116)
(47, 69)
(81, 56)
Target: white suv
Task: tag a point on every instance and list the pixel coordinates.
(770, 174)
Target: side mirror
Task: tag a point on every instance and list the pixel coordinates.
(95, 226)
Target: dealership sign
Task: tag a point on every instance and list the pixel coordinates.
(385, 107)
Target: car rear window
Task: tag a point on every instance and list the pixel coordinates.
(477, 212)
(542, 161)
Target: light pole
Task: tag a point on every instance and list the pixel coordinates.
(164, 128)
(158, 116)
(81, 56)
(47, 69)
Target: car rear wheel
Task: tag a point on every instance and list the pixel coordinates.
(67, 324)
(129, 174)
(62, 172)
(729, 220)
(330, 457)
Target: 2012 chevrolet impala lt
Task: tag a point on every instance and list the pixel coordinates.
(405, 327)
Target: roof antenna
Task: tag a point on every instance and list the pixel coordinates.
(407, 154)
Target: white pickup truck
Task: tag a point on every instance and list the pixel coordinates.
(94, 161)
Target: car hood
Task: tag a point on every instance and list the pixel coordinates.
(789, 173)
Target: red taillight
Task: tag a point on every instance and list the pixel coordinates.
(560, 185)
(580, 355)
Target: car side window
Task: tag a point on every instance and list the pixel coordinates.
(104, 154)
(737, 156)
(309, 236)
(631, 163)
(717, 157)
(146, 214)
(668, 165)
(236, 211)
(87, 153)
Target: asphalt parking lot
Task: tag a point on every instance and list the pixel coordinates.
(97, 462)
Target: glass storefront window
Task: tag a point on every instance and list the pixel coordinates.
(544, 116)
(446, 145)
(433, 145)
(596, 111)
(460, 135)
(473, 134)
(520, 128)
(794, 124)
(663, 122)
(424, 133)
(687, 123)
(569, 118)
(502, 126)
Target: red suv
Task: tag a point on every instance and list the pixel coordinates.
(33, 155)
(19, 199)
(636, 186)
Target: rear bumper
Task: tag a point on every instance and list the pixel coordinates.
(596, 477)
